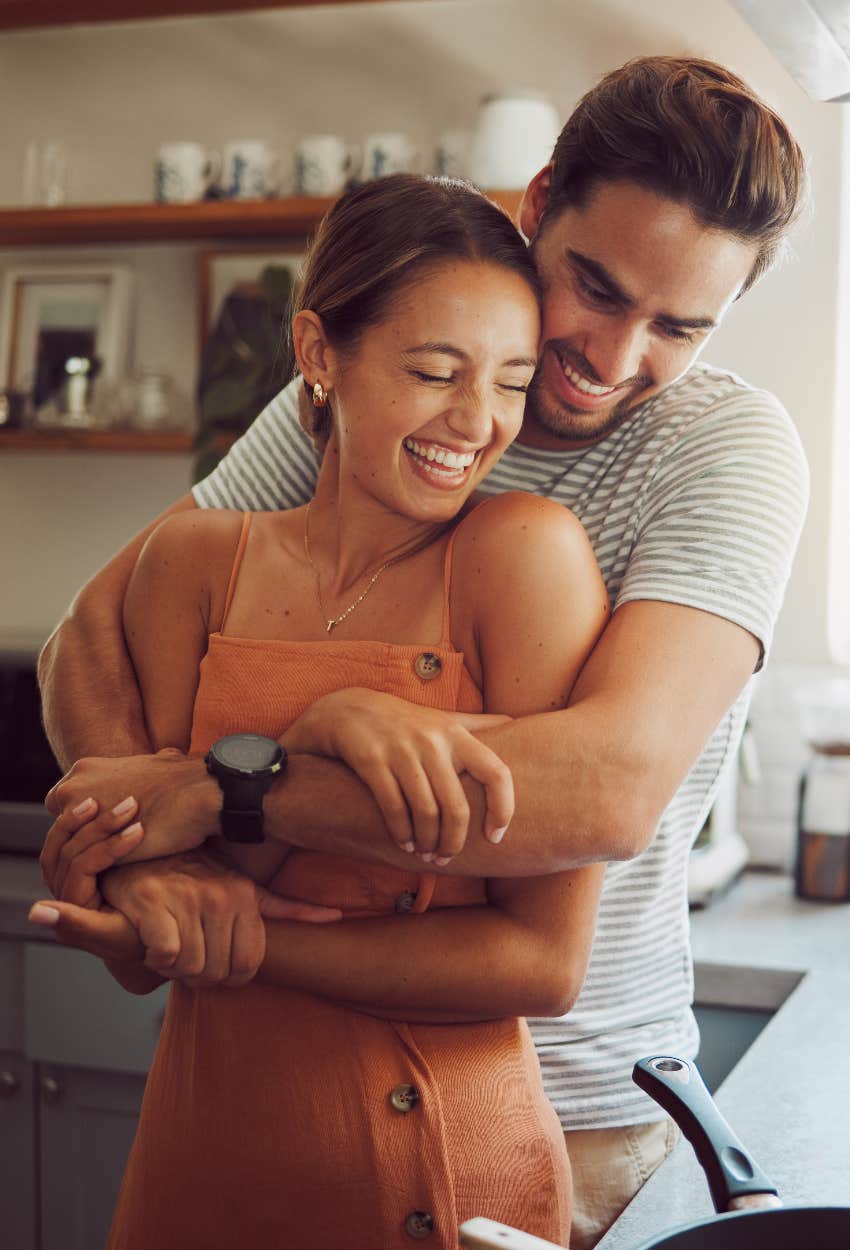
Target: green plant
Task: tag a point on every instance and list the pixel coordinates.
(247, 359)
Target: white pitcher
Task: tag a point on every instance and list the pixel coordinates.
(514, 137)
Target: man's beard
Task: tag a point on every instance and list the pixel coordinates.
(570, 424)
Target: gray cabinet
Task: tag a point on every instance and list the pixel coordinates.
(74, 1051)
(86, 1122)
(18, 1161)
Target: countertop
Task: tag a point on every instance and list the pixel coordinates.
(788, 1098)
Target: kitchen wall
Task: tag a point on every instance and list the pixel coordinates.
(113, 93)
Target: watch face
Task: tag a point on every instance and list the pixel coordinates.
(248, 752)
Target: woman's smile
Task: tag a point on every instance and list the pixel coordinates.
(439, 465)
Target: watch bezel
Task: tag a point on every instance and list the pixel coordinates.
(266, 771)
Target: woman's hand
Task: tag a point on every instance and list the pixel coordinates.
(126, 808)
(411, 758)
(190, 918)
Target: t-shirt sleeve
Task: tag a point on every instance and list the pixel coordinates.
(721, 516)
(273, 465)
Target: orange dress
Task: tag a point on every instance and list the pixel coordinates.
(276, 1119)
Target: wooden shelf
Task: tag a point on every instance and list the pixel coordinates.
(24, 14)
(160, 223)
(95, 440)
(168, 223)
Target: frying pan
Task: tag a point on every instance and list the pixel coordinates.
(752, 1216)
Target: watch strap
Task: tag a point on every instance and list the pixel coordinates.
(241, 826)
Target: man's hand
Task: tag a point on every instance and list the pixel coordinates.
(411, 758)
(168, 800)
(190, 918)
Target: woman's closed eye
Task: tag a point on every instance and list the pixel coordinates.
(442, 379)
(432, 377)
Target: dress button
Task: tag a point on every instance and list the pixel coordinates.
(405, 902)
(404, 1097)
(419, 1224)
(427, 666)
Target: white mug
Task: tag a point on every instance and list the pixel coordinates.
(451, 155)
(45, 173)
(323, 165)
(388, 153)
(183, 172)
(250, 170)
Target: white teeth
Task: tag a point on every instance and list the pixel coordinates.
(440, 455)
(582, 384)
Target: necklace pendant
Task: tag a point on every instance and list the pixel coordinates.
(329, 626)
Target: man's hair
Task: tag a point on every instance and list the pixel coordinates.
(388, 234)
(692, 131)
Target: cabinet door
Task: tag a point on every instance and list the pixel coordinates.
(87, 1123)
(17, 1152)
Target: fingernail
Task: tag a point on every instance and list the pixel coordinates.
(131, 830)
(124, 808)
(82, 807)
(496, 835)
(40, 913)
(442, 860)
(409, 847)
(427, 856)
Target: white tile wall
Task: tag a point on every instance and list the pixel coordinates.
(767, 805)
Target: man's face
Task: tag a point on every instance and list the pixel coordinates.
(633, 288)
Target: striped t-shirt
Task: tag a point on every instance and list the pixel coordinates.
(698, 499)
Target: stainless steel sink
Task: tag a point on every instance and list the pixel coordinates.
(732, 1006)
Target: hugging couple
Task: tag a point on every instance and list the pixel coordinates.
(399, 728)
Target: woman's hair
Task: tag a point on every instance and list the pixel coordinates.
(692, 131)
(385, 235)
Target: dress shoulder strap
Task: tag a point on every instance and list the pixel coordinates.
(237, 564)
(446, 635)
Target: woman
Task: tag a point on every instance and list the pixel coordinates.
(343, 1098)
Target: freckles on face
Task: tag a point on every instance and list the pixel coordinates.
(438, 386)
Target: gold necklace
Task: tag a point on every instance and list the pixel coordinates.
(332, 622)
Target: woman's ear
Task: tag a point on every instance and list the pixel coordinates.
(312, 350)
(534, 202)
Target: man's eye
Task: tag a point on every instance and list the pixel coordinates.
(510, 386)
(679, 336)
(594, 293)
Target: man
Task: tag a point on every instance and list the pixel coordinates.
(670, 191)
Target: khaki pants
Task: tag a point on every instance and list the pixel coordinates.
(609, 1166)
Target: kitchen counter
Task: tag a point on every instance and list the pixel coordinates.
(788, 1099)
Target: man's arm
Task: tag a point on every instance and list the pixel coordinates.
(591, 781)
(89, 693)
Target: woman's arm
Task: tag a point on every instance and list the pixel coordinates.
(174, 588)
(528, 589)
(527, 952)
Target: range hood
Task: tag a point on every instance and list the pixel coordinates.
(811, 38)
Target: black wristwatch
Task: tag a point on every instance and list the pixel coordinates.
(244, 765)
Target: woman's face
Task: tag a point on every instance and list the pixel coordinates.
(434, 393)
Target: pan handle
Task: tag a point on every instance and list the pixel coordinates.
(677, 1086)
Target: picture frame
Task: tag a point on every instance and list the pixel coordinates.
(49, 312)
(223, 270)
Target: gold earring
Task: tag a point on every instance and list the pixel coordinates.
(320, 395)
